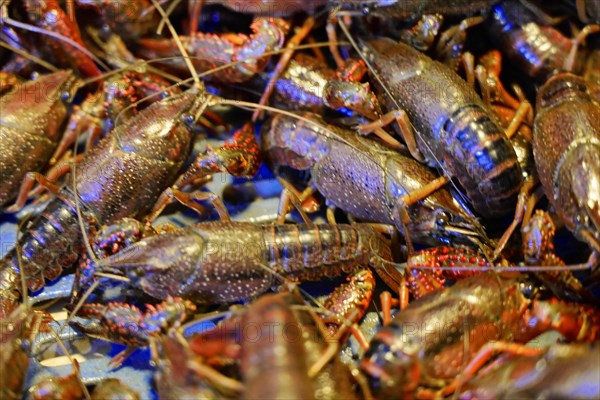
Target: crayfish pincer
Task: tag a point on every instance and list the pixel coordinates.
(123, 176)
(453, 128)
(566, 147)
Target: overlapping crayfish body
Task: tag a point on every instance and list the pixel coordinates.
(425, 343)
(402, 10)
(302, 84)
(32, 121)
(301, 351)
(454, 130)
(48, 15)
(538, 50)
(290, 379)
(367, 179)
(269, 7)
(114, 103)
(123, 176)
(566, 144)
(410, 10)
(289, 341)
(561, 372)
(224, 262)
(212, 51)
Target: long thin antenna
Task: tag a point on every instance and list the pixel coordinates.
(497, 268)
(182, 49)
(28, 56)
(79, 304)
(31, 28)
(23, 279)
(168, 12)
(213, 70)
(76, 372)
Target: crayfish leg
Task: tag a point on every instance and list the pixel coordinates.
(118, 359)
(282, 64)
(400, 117)
(30, 179)
(482, 357)
(526, 201)
(287, 199)
(190, 200)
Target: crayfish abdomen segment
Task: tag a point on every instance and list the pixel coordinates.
(297, 249)
(51, 243)
(488, 159)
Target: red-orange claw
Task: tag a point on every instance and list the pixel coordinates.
(353, 70)
(125, 323)
(421, 282)
(47, 14)
(495, 311)
(239, 157)
(427, 270)
(219, 342)
(445, 256)
(354, 295)
(209, 51)
(575, 322)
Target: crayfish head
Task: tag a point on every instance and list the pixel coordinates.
(160, 131)
(450, 227)
(584, 181)
(390, 371)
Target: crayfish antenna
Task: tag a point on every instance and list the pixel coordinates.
(576, 42)
(119, 56)
(168, 12)
(30, 57)
(31, 28)
(74, 362)
(182, 49)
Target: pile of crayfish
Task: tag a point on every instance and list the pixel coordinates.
(437, 232)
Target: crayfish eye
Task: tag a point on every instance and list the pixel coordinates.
(187, 119)
(134, 275)
(441, 219)
(65, 96)
(529, 290)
